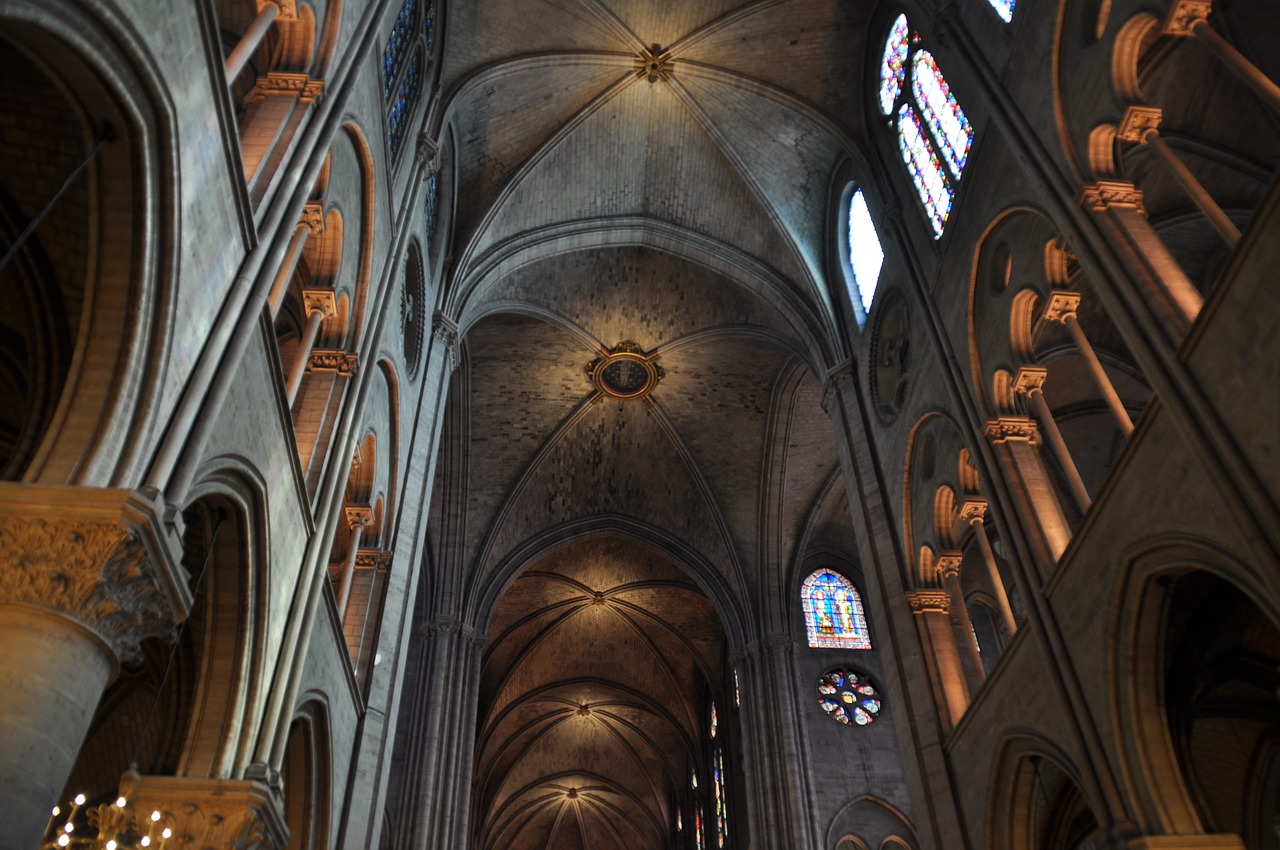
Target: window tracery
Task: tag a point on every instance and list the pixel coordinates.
(934, 134)
(848, 698)
(833, 612)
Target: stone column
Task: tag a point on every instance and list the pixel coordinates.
(257, 30)
(358, 518)
(320, 304)
(1188, 18)
(777, 778)
(1117, 208)
(938, 643)
(311, 224)
(1062, 307)
(86, 574)
(1141, 124)
(1016, 441)
(435, 801)
(949, 571)
(1030, 382)
(973, 511)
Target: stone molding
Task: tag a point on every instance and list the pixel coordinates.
(97, 556)
(358, 516)
(1012, 429)
(654, 64)
(929, 601)
(204, 814)
(427, 154)
(840, 379)
(333, 360)
(323, 301)
(451, 626)
(1106, 195)
(372, 559)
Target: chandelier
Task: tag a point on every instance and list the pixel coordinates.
(118, 825)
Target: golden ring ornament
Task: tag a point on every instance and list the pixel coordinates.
(625, 371)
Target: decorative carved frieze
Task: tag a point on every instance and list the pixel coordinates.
(1062, 303)
(929, 601)
(1012, 428)
(654, 64)
(278, 83)
(1108, 194)
(1183, 15)
(333, 360)
(372, 559)
(1029, 379)
(203, 814)
(1137, 122)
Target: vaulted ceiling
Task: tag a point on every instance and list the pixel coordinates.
(691, 216)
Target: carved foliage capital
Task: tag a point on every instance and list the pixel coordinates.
(444, 332)
(204, 813)
(1029, 379)
(333, 360)
(1137, 122)
(323, 301)
(427, 154)
(929, 601)
(359, 516)
(1111, 194)
(312, 219)
(1184, 15)
(948, 564)
(1012, 428)
(1062, 304)
(973, 510)
(98, 573)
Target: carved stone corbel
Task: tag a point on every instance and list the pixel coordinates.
(444, 332)
(929, 601)
(1012, 429)
(204, 814)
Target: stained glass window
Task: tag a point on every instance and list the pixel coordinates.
(697, 829)
(865, 254)
(848, 697)
(722, 818)
(403, 107)
(893, 66)
(693, 779)
(737, 690)
(941, 112)
(932, 184)
(399, 43)
(1004, 8)
(715, 721)
(429, 206)
(833, 612)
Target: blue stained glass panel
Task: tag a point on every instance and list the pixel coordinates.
(941, 111)
(398, 42)
(833, 612)
(893, 65)
(927, 172)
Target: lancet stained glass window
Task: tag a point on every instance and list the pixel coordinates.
(833, 613)
(405, 61)
(722, 817)
(715, 721)
(941, 112)
(921, 160)
(934, 134)
(865, 253)
(893, 67)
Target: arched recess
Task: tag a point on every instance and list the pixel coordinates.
(1035, 801)
(80, 360)
(305, 775)
(1197, 669)
(867, 821)
(189, 708)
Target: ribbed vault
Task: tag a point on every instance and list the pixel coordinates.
(593, 703)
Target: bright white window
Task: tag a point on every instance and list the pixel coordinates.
(865, 254)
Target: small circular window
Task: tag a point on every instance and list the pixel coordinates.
(849, 698)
